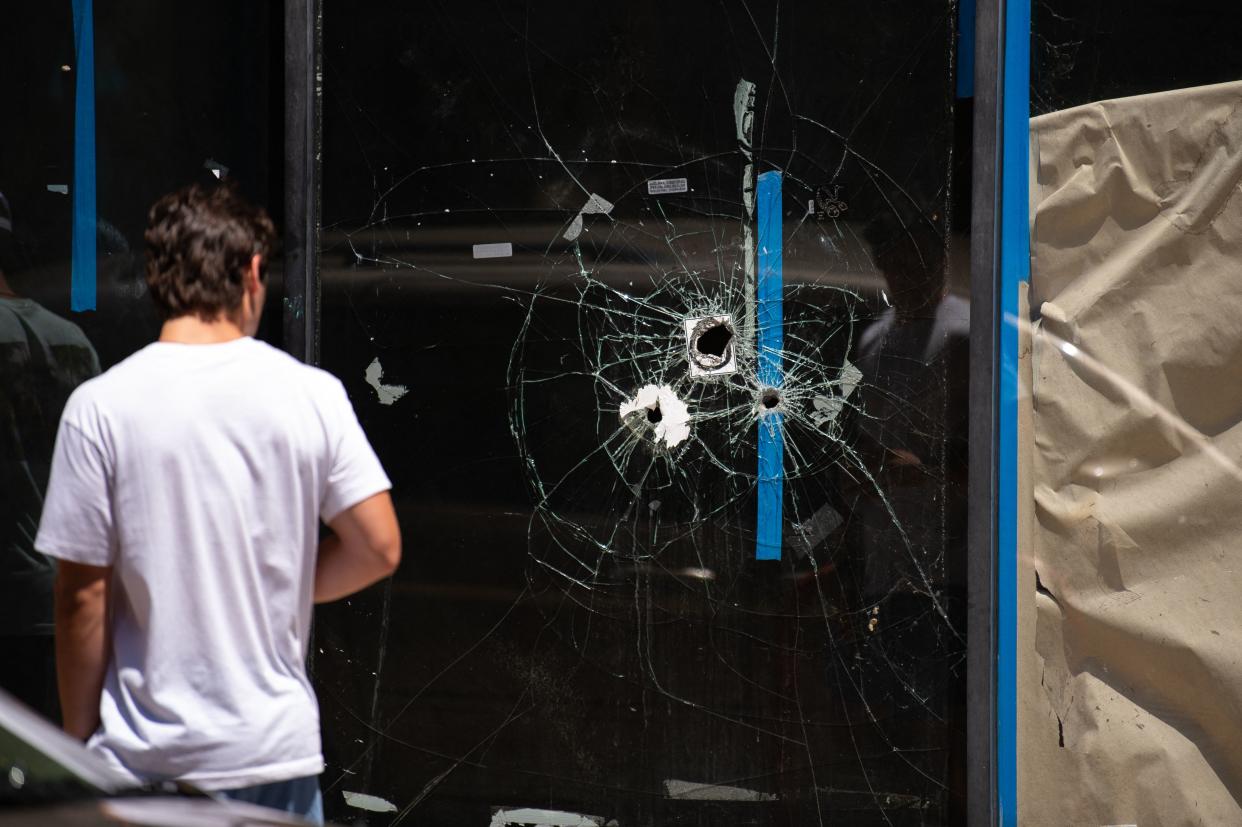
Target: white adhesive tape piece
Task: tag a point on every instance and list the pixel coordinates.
(504, 250)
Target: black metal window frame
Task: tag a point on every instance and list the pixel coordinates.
(985, 321)
(303, 21)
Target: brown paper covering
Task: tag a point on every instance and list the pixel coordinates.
(1130, 638)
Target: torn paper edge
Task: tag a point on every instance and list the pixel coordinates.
(502, 250)
(674, 425)
(370, 803)
(388, 394)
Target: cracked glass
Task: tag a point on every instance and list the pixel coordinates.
(656, 315)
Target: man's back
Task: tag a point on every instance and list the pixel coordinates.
(204, 471)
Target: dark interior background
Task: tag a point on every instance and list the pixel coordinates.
(1101, 49)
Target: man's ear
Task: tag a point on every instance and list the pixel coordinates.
(251, 279)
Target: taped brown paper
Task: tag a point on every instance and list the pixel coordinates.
(1130, 641)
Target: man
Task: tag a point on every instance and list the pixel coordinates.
(42, 359)
(184, 503)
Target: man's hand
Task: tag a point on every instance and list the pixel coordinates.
(365, 547)
(82, 643)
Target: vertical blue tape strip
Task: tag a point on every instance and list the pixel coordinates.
(1015, 268)
(966, 48)
(769, 342)
(82, 278)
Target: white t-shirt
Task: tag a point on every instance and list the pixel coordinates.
(200, 473)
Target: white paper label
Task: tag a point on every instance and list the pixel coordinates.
(667, 186)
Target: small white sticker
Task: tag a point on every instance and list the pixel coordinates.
(493, 250)
(63, 189)
(667, 186)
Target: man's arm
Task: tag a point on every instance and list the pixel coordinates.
(365, 546)
(82, 643)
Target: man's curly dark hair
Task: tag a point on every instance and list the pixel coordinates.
(199, 243)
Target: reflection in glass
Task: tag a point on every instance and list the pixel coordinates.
(43, 357)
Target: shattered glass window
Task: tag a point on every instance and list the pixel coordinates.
(656, 316)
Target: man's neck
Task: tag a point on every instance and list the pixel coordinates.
(192, 330)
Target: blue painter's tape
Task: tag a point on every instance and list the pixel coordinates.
(1015, 268)
(82, 277)
(769, 342)
(966, 48)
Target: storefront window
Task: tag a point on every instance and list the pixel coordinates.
(656, 314)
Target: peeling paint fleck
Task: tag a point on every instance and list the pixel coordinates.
(388, 394)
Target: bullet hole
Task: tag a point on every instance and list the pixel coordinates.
(656, 415)
(713, 343)
(710, 341)
(770, 398)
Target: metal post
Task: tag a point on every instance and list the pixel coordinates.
(303, 36)
(985, 322)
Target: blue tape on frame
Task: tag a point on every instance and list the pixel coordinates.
(769, 342)
(1015, 268)
(82, 277)
(966, 48)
